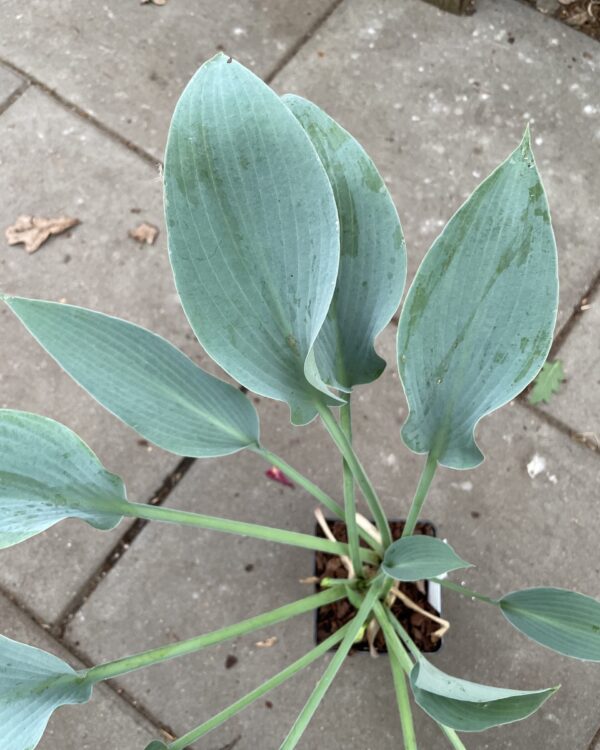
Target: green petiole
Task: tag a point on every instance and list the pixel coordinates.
(394, 644)
(406, 719)
(349, 493)
(257, 531)
(391, 630)
(464, 591)
(270, 684)
(420, 495)
(358, 471)
(455, 740)
(328, 676)
(312, 489)
(404, 637)
(120, 667)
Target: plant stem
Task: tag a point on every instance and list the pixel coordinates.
(464, 591)
(394, 644)
(363, 481)
(329, 582)
(455, 740)
(154, 656)
(268, 533)
(349, 493)
(420, 495)
(273, 682)
(404, 636)
(312, 489)
(300, 479)
(391, 627)
(328, 676)
(406, 720)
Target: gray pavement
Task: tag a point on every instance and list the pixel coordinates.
(9, 85)
(438, 101)
(576, 403)
(540, 543)
(126, 65)
(79, 727)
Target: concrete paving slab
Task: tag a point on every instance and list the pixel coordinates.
(439, 100)
(56, 163)
(9, 83)
(576, 403)
(79, 727)
(127, 63)
(519, 531)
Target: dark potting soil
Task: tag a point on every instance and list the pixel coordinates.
(583, 15)
(331, 617)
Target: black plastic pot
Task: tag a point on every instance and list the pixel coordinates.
(433, 591)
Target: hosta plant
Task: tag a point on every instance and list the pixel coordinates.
(289, 260)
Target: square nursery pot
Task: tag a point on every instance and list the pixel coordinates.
(426, 595)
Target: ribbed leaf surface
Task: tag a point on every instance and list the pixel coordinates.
(33, 684)
(414, 558)
(478, 319)
(467, 706)
(561, 620)
(373, 254)
(46, 474)
(253, 232)
(143, 379)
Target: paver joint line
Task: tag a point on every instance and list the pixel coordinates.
(61, 643)
(306, 37)
(595, 743)
(118, 550)
(559, 341)
(12, 98)
(32, 80)
(576, 314)
(559, 426)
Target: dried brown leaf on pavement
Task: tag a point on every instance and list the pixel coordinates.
(144, 233)
(33, 231)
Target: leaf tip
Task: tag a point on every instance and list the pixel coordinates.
(7, 298)
(220, 57)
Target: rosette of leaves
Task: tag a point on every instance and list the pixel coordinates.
(289, 259)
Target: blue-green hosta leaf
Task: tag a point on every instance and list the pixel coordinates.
(33, 684)
(373, 254)
(478, 320)
(561, 620)
(468, 706)
(46, 474)
(143, 379)
(253, 233)
(414, 558)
